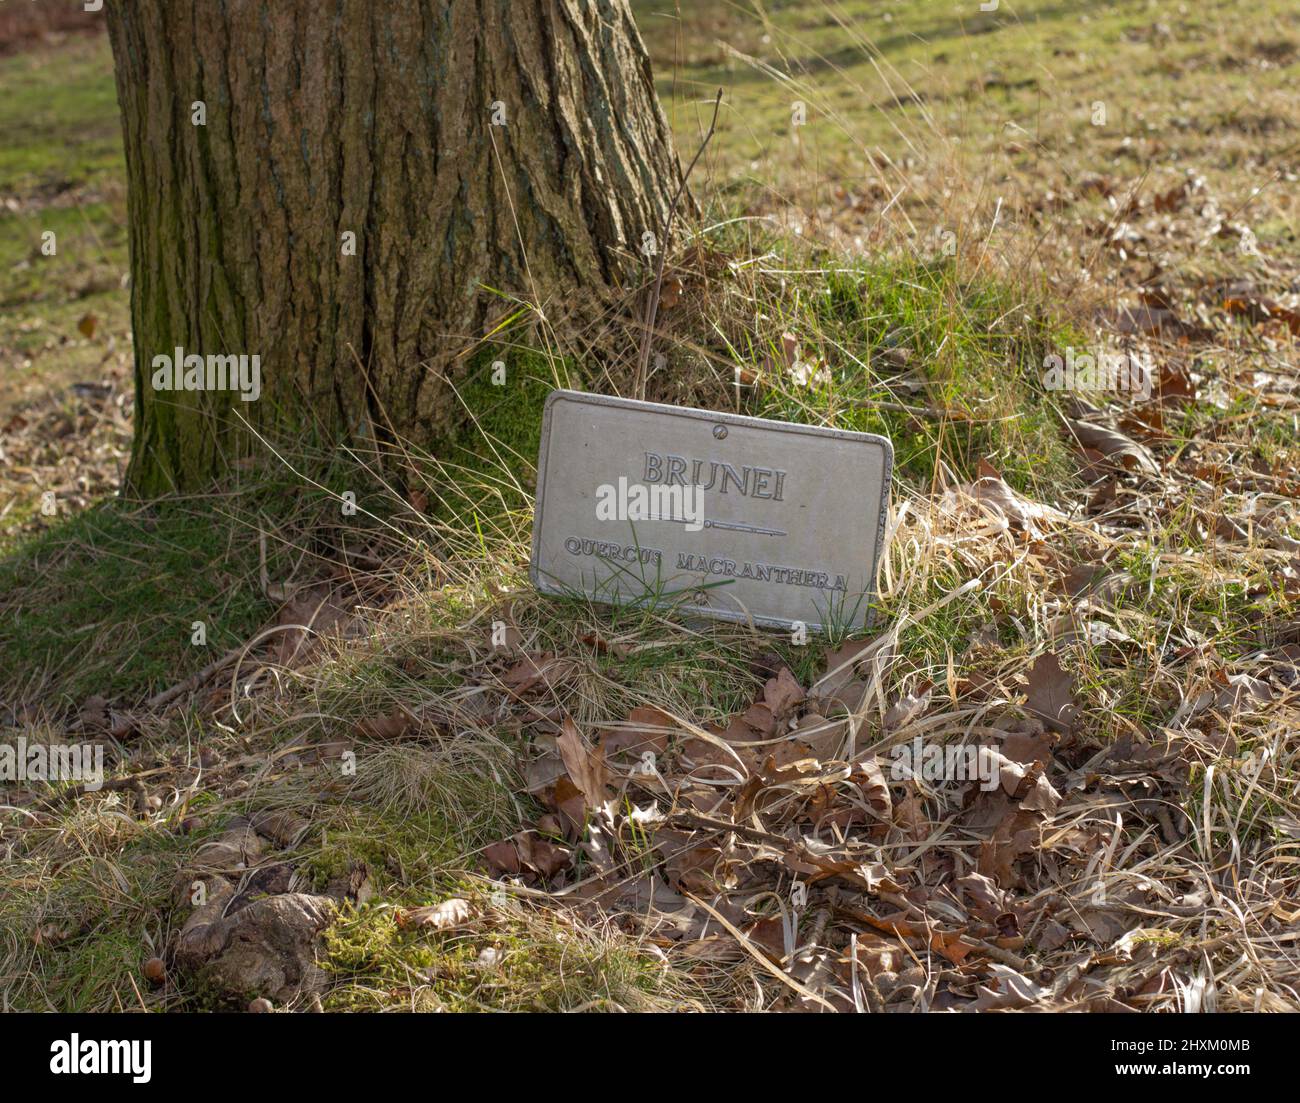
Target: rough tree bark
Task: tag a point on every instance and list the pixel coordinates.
(376, 118)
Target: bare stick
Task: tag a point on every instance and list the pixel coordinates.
(193, 682)
(652, 305)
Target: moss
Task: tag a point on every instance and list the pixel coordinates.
(488, 467)
(539, 965)
(402, 857)
(103, 602)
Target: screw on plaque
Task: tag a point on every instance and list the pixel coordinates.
(720, 432)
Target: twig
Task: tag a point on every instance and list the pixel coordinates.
(748, 946)
(193, 681)
(652, 305)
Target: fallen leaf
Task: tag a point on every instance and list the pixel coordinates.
(307, 616)
(533, 671)
(789, 349)
(1114, 444)
(1051, 693)
(839, 686)
(526, 851)
(824, 738)
(782, 693)
(646, 729)
(1009, 989)
(906, 709)
(1014, 838)
(1261, 310)
(392, 726)
(993, 493)
(586, 767)
(436, 917)
(948, 943)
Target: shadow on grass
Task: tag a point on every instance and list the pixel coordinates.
(108, 602)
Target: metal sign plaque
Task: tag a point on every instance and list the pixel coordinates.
(715, 514)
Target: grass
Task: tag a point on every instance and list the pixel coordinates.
(895, 89)
(969, 388)
(105, 602)
(412, 816)
(486, 471)
(61, 172)
(59, 127)
(85, 900)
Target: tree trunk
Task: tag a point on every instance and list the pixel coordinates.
(515, 145)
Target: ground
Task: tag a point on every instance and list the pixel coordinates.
(311, 723)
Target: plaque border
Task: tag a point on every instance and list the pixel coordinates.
(715, 418)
